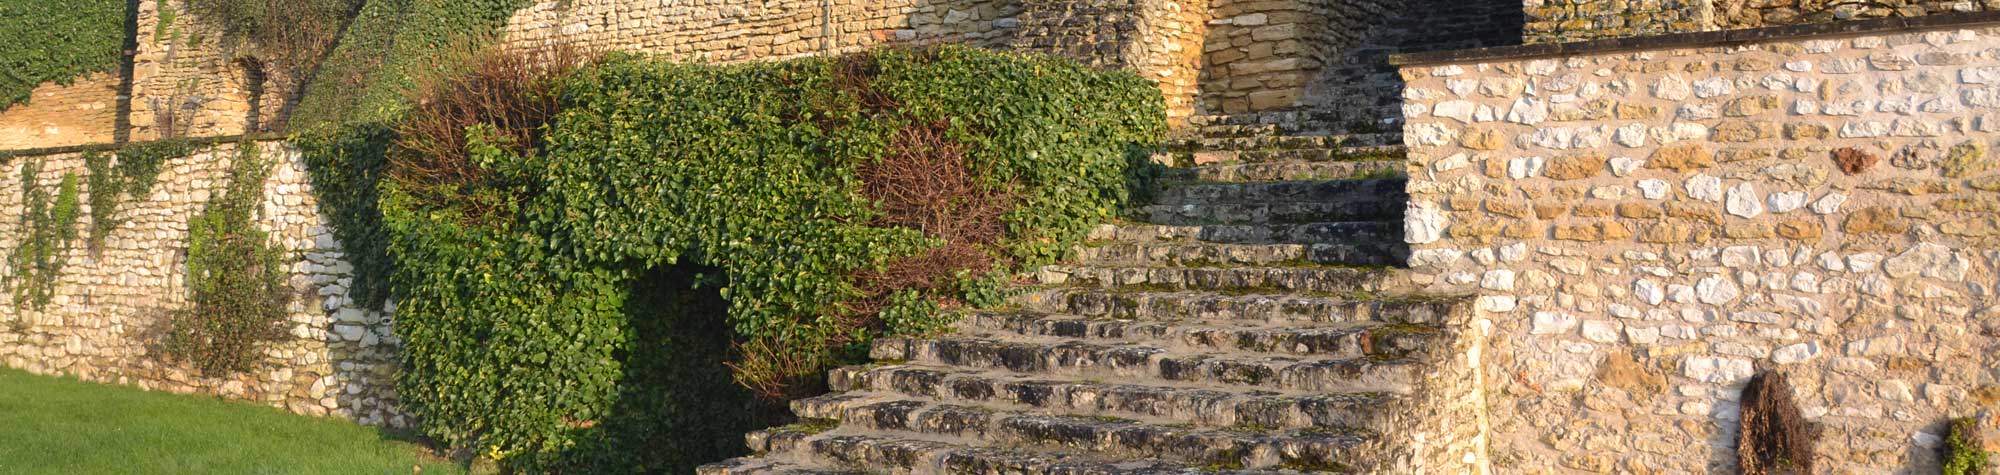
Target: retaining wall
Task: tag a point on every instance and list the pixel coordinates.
(339, 358)
(1648, 227)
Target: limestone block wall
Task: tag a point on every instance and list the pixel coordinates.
(1645, 230)
(85, 111)
(1560, 21)
(339, 359)
(188, 83)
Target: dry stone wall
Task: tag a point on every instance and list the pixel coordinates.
(1560, 21)
(188, 83)
(85, 111)
(339, 359)
(1646, 230)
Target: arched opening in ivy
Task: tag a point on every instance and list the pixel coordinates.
(676, 406)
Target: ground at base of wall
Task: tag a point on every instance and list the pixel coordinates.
(61, 425)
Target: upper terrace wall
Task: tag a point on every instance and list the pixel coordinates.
(1558, 21)
(339, 358)
(1210, 56)
(1648, 228)
(183, 83)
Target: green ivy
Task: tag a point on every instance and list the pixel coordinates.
(56, 41)
(519, 332)
(132, 177)
(388, 43)
(236, 279)
(50, 225)
(346, 166)
(1963, 451)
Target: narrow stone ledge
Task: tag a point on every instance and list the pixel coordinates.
(1702, 39)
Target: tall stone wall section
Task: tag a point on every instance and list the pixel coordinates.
(1647, 230)
(1562, 21)
(56, 115)
(339, 358)
(188, 82)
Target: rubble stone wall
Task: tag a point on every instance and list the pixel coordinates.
(1645, 230)
(339, 360)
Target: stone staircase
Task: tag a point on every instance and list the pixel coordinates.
(1245, 321)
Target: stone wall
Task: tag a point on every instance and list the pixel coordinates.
(1646, 230)
(86, 111)
(1150, 36)
(1560, 21)
(339, 359)
(188, 83)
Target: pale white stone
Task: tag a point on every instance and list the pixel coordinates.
(1453, 162)
(1601, 331)
(1428, 258)
(1716, 369)
(1633, 135)
(1653, 188)
(1623, 166)
(1649, 291)
(1497, 279)
(1895, 390)
(1455, 109)
(1714, 86)
(1525, 167)
(1743, 201)
(1830, 203)
(1786, 201)
(1739, 256)
(1424, 222)
(1797, 353)
(1717, 290)
(1928, 260)
(1831, 261)
(1553, 323)
(1671, 87)
(1704, 188)
(1514, 252)
(1497, 303)
(1528, 111)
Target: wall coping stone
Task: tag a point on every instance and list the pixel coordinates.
(1701, 39)
(116, 146)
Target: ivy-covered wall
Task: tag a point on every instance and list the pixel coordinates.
(104, 314)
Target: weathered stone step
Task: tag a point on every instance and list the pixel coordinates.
(1285, 170)
(907, 454)
(1269, 213)
(1114, 438)
(1296, 279)
(1302, 233)
(1336, 191)
(1263, 138)
(1334, 341)
(1278, 308)
(1074, 358)
(1357, 253)
(1202, 407)
(765, 466)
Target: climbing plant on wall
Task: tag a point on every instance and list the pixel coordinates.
(131, 177)
(48, 221)
(235, 276)
(56, 41)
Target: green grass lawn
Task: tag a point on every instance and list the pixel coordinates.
(64, 426)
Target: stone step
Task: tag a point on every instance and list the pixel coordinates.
(1301, 233)
(909, 454)
(1383, 190)
(1271, 308)
(1287, 170)
(1270, 213)
(1341, 280)
(1262, 140)
(1355, 340)
(1150, 364)
(1202, 407)
(1107, 437)
(765, 466)
(1356, 253)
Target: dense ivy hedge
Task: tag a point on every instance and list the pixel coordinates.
(386, 44)
(56, 41)
(528, 332)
